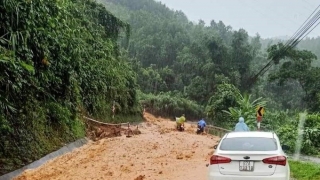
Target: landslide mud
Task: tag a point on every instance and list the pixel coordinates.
(158, 153)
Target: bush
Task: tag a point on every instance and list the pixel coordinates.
(39, 128)
(288, 133)
(170, 105)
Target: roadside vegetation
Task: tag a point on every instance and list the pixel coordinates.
(58, 61)
(304, 170)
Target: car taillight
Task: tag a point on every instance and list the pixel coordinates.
(219, 160)
(278, 160)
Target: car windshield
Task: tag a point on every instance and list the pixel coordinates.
(249, 144)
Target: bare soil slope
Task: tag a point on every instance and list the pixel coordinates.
(158, 153)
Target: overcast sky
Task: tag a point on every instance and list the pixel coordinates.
(269, 18)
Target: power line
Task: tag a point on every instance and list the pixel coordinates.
(299, 30)
(304, 31)
(297, 38)
(292, 42)
(307, 34)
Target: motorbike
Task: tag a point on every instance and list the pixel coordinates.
(180, 127)
(200, 130)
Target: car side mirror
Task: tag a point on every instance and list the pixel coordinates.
(215, 146)
(285, 147)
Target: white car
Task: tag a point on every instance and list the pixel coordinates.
(249, 156)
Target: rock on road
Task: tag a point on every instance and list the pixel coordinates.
(158, 153)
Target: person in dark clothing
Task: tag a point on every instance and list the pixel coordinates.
(201, 125)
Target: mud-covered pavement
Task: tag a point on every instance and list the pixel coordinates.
(158, 153)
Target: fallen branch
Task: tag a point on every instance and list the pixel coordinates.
(109, 124)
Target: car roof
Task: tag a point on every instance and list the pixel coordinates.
(251, 134)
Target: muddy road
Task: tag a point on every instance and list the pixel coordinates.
(158, 153)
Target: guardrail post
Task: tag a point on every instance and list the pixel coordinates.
(113, 109)
(217, 131)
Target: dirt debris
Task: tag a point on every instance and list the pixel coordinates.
(109, 173)
(140, 177)
(151, 155)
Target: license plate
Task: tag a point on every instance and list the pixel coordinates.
(246, 165)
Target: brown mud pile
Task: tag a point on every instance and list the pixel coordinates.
(97, 131)
(158, 153)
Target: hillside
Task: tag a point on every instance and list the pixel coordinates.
(58, 61)
(175, 58)
(207, 71)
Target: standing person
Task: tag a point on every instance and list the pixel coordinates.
(201, 125)
(180, 122)
(241, 125)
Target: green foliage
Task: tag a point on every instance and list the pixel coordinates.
(304, 170)
(298, 67)
(242, 56)
(246, 108)
(228, 97)
(287, 96)
(171, 104)
(58, 59)
(273, 119)
(171, 53)
(33, 134)
(311, 44)
(225, 97)
(211, 65)
(288, 132)
(196, 57)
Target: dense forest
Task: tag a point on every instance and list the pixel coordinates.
(207, 70)
(311, 44)
(60, 60)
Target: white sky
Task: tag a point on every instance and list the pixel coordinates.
(270, 18)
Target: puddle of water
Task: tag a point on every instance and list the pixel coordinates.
(302, 120)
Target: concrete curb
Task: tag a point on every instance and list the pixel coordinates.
(65, 149)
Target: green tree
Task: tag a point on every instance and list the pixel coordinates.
(246, 108)
(224, 98)
(297, 66)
